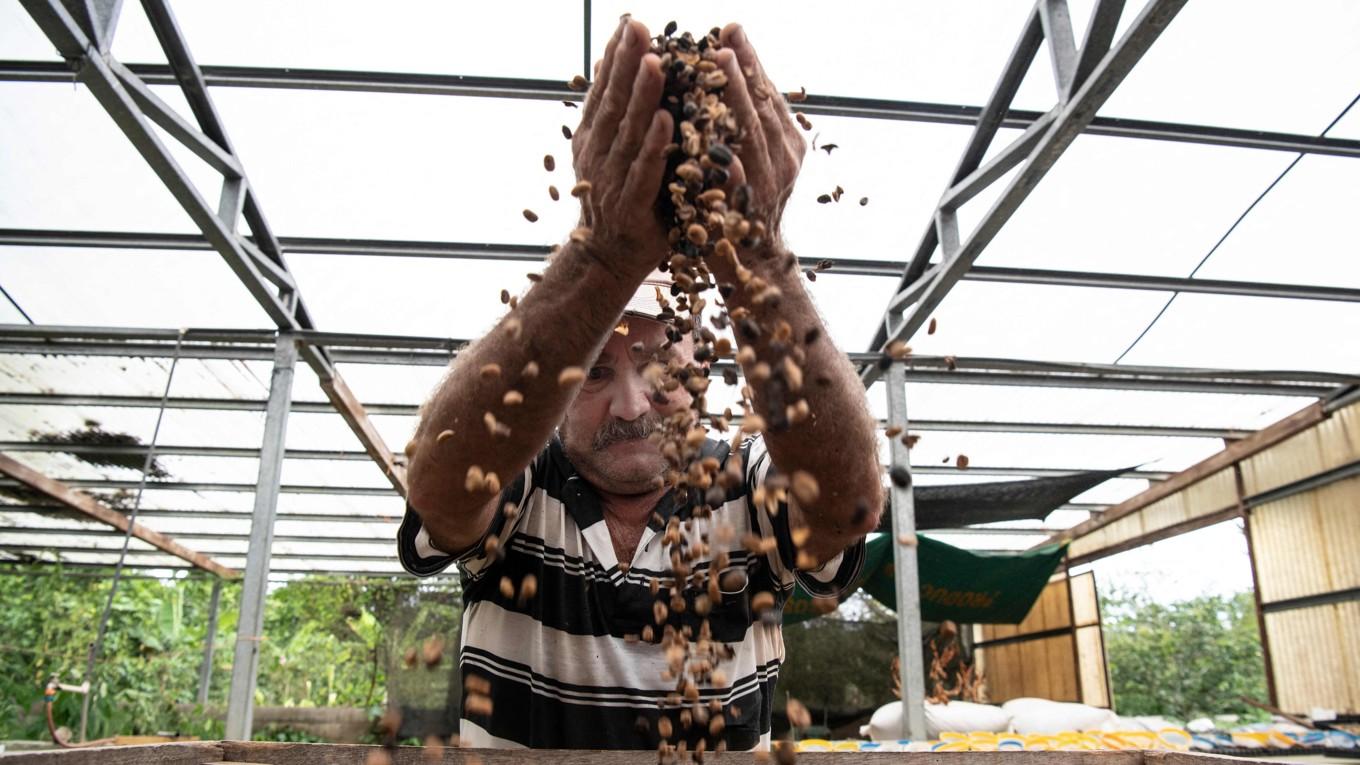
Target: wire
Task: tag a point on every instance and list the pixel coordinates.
(15, 303)
(127, 538)
(1233, 228)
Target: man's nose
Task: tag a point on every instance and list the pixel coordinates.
(632, 396)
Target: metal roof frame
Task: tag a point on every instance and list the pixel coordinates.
(408, 83)
(536, 254)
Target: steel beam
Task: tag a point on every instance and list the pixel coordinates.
(84, 503)
(536, 254)
(209, 643)
(411, 410)
(216, 515)
(906, 577)
(328, 518)
(153, 566)
(90, 532)
(1073, 116)
(556, 90)
(1055, 278)
(382, 556)
(922, 369)
(250, 625)
(104, 484)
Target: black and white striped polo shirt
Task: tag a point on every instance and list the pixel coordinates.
(566, 667)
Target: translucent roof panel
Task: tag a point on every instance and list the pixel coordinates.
(877, 49)
(899, 167)
(1248, 65)
(404, 166)
(1161, 206)
(1009, 403)
(1047, 450)
(1230, 331)
(1303, 232)
(20, 37)
(1096, 325)
(128, 288)
(401, 36)
(1037, 322)
(67, 165)
(133, 376)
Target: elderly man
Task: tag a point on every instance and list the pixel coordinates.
(546, 489)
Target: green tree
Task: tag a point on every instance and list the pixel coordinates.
(840, 665)
(326, 642)
(1184, 659)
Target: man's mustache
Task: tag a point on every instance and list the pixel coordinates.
(617, 430)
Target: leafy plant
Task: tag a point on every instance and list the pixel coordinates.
(1185, 659)
(327, 642)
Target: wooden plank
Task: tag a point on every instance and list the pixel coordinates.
(1237, 451)
(353, 754)
(1157, 536)
(180, 753)
(271, 753)
(84, 503)
(344, 401)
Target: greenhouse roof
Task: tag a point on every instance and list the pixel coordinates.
(1184, 272)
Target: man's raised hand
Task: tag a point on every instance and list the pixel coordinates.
(772, 149)
(618, 149)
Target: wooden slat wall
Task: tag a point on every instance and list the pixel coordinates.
(1044, 667)
(1308, 545)
(1090, 641)
(1315, 657)
(1331, 443)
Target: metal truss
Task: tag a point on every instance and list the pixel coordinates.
(826, 105)
(1085, 78)
(385, 519)
(411, 410)
(255, 345)
(536, 254)
(82, 32)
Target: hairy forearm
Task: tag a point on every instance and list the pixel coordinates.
(834, 442)
(561, 322)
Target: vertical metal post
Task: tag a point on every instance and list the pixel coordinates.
(906, 576)
(209, 639)
(245, 665)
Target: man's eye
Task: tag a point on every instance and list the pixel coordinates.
(597, 373)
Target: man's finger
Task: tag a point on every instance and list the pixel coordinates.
(642, 104)
(601, 79)
(644, 177)
(755, 144)
(773, 114)
(615, 95)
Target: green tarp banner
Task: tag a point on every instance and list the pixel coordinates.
(968, 587)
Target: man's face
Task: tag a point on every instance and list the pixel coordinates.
(605, 429)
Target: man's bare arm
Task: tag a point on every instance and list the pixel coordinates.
(836, 443)
(563, 320)
(560, 323)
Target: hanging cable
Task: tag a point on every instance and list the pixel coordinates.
(98, 642)
(1233, 228)
(16, 305)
